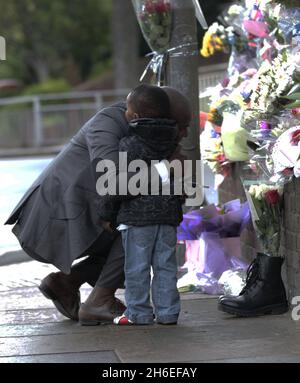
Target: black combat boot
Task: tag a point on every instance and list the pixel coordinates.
(264, 292)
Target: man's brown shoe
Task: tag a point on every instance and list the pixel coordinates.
(101, 307)
(64, 295)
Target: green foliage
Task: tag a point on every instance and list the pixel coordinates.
(293, 96)
(295, 104)
(44, 36)
(50, 86)
(100, 68)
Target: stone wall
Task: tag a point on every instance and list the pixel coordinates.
(232, 188)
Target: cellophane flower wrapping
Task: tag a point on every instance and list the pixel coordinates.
(286, 155)
(234, 137)
(155, 20)
(265, 200)
(212, 239)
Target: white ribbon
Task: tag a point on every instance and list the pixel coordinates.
(199, 15)
(159, 60)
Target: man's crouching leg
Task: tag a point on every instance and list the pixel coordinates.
(63, 289)
(101, 305)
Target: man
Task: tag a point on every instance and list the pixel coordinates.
(57, 220)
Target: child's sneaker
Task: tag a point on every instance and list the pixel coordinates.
(123, 321)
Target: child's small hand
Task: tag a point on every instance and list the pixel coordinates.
(107, 226)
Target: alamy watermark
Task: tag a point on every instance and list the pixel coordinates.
(2, 48)
(137, 178)
(296, 309)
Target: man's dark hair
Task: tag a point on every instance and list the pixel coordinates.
(150, 101)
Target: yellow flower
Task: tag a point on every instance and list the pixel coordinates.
(207, 46)
(218, 43)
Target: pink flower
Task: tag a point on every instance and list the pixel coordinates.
(220, 157)
(296, 112)
(161, 7)
(256, 28)
(225, 82)
(272, 196)
(287, 172)
(150, 7)
(142, 16)
(295, 138)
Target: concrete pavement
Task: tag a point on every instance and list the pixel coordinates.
(32, 330)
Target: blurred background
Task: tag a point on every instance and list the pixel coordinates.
(65, 60)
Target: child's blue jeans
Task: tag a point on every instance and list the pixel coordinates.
(147, 246)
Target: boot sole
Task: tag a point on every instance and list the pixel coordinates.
(50, 295)
(266, 310)
(94, 323)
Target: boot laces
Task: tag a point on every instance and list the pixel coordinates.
(251, 276)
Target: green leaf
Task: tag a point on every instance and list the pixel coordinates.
(292, 105)
(293, 96)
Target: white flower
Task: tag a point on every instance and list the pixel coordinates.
(258, 192)
(252, 190)
(213, 29)
(229, 30)
(235, 10)
(264, 68)
(276, 11)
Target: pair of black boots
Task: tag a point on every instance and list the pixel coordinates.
(264, 292)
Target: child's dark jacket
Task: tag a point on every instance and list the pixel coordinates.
(148, 139)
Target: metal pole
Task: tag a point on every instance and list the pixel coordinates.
(182, 72)
(38, 125)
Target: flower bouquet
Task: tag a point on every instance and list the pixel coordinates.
(221, 38)
(234, 137)
(286, 155)
(266, 206)
(212, 152)
(155, 20)
(271, 83)
(211, 236)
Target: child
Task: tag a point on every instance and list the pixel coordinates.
(148, 223)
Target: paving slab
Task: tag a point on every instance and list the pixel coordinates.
(71, 357)
(32, 330)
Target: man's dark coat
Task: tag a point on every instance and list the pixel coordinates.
(58, 217)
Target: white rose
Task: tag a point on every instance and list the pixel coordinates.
(258, 192)
(251, 190)
(235, 10)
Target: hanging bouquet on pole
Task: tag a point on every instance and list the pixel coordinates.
(155, 20)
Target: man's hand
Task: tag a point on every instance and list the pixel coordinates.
(107, 226)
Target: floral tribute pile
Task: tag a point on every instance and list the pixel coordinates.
(254, 114)
(261, 91)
